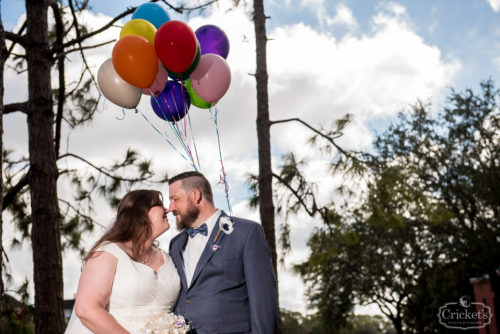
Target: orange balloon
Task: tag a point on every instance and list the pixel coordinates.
(135, 60)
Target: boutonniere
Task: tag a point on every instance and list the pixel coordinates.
(225, 225)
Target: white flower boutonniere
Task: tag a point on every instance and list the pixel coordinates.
(225, 225)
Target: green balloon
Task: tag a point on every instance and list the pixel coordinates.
(195, 99)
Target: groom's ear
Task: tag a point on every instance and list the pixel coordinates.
(197, 196)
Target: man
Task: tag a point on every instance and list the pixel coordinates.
(228, 281)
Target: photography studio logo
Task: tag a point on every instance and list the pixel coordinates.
(464, 314)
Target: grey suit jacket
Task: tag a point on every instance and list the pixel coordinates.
(233, 289)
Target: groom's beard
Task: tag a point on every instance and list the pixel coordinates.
(187, 218)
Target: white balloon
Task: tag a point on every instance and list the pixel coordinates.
(115, 88)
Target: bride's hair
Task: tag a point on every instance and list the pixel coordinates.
(132, 222)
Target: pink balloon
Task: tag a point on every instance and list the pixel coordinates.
(159, 83)
(211, 78)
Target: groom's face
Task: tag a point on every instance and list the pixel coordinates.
(182, 206)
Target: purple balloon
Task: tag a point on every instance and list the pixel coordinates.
(173, 103)
(212, 40)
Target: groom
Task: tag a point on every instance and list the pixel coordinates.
(228, 281)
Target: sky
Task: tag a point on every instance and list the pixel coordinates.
(326, 58)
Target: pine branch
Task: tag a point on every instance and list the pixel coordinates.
(181, 9)
(81, 48)
(15, 38)
(16, 70)
(14, 190)
(19, 33)
(79, 213)
(102, 170)
(330, 139)
(82, 38)
(310, 212)
(14, 107)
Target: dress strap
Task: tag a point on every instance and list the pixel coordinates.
(111, 248)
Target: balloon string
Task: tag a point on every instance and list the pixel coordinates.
(184, 123)
(223, 176)
(170, 123)
(174, 121)
(174, 127)
(185, 108)
(162, 135)
(123, 117)
(194, 143)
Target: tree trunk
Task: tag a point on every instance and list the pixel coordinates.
(266, 205)
(45, 232)
(398, 324)
(3, 56)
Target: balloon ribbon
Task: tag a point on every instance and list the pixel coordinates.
(223, 176)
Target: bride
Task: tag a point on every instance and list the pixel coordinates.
(125, 278)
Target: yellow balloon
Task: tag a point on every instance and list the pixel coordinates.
(139, 27)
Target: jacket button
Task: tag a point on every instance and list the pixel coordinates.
(188, 301)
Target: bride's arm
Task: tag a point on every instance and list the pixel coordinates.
(94, 290)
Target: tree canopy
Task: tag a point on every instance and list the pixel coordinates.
(427, 223)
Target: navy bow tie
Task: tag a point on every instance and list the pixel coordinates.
(203, 230)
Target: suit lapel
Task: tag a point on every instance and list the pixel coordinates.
(180, 259)
(210, 248)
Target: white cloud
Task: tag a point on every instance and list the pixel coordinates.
(312, 75)
(495, 5)
(318, 78)
(343, 16)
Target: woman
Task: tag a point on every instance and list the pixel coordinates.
(125, 278)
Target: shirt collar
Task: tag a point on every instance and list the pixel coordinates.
(211, 221)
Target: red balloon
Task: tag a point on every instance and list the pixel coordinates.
(176, 45)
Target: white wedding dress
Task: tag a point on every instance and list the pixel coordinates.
(138, 292)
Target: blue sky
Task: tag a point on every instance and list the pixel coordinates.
(468, 30)
(326, 58)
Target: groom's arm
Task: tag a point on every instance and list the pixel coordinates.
(261, 283)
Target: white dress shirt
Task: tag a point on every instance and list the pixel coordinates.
(195, 246)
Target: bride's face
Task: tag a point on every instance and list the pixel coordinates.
(159, 222)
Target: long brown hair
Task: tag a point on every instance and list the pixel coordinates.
(132, 222)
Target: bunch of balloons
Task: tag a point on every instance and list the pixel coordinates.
(151, 49)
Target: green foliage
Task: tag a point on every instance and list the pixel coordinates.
(17, 320)
(18, 315)
(296, 323)
(19, 207)
(84, 103)
(428, 222)
(368, 324)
